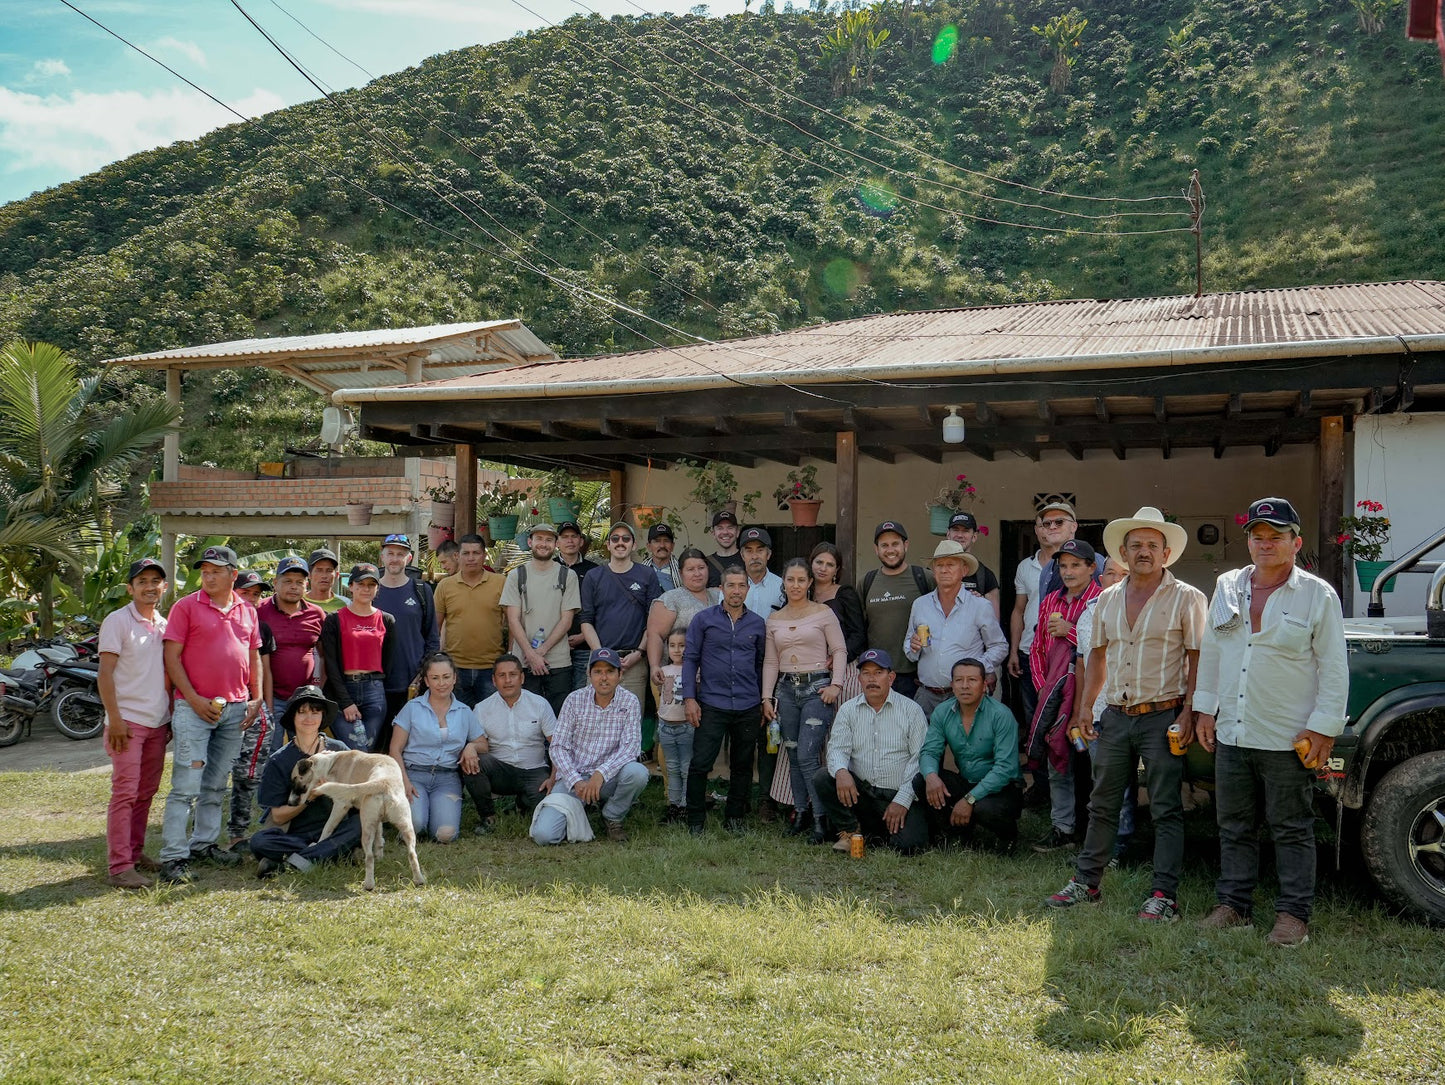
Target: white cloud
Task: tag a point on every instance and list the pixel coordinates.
(49, 68)
(80, 132)
(188, 49)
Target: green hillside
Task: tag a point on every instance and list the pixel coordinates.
(680, 167)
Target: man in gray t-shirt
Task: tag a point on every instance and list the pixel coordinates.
(888, 593)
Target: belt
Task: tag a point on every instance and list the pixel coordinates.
(804, 678)
(936, 689)
(1146, 707)
(365, 674)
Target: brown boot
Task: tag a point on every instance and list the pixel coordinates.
(767, 811)
(1289, 931)
(130, 879)
(1224, 918)
(147, 865)
(615, 832)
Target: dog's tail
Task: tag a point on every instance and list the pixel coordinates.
(351, 792)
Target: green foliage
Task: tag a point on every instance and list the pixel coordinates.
(1064, 33)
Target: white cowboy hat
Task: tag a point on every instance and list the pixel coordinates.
(1175, 537)
(951, 548)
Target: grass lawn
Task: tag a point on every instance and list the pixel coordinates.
(752, 959)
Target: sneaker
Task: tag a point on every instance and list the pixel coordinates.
(216, 856)
(268, 868)
(1159, 908)
(615, 832)
(301, 863)
(1289, 931)
(1075, 892)
(147, 865)
(1224, 918)
(1055, 840)
(845, 842)
(486, 827)
(767, 811)
(176, 872)
(130, 878)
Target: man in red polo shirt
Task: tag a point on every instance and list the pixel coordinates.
(295, 624)
(212, 654)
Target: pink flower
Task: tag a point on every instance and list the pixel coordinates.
(959, 478)
(1240, 519)
(534, 511)
(1342, 539)
(983, 529)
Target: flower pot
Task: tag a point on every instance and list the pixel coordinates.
(805, 510)
(562, 509)
(1367, 571)
(646, 515)
(444, 513)
(436, 535)
(727, 506)
(502, 527)
(358, 513)
(938, 517)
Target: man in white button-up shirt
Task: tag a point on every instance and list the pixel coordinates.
(960, 625)
(1272, 671)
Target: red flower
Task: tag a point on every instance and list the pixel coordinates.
(1342, 539)
(1241, 519)
(534, 511)
(960, 478)
(983, 529)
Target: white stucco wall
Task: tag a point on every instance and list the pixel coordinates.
(1192, 485)
(1399, 459)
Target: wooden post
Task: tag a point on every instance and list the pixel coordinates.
(466, 523)
(168, 559)
(1332, 504)
(619, 495)
(847, 447)
(171, 454)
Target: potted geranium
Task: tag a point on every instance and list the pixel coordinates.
(951, 498)
(799, 492)
(715, 487)
(443, 504)
(559, 489)
(498, 504)
(1364, 536)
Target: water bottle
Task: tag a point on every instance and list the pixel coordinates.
(775, 736)
(358, 736)
(538, 638)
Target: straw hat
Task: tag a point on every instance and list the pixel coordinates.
(1175, 537)
(949, 548)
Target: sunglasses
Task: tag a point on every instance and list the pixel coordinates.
(1054, 523)
(619, 538)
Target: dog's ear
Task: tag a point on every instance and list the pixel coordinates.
(302, 767)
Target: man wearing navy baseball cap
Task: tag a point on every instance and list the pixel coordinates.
(880, 733)
(888, 593)
(594, 752)
(295, 624)
(765, 587)
(963, 529)
(409, 600)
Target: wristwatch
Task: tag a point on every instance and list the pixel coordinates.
(969, 798)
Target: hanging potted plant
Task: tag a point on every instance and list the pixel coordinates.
(497, 504)
(715, 488)
(443, 504)
(799, 492)
(559, 490)
(358, 513)
(951, 498)
(1364, 536)
(646, 515)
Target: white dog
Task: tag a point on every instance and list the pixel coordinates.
(372, 783)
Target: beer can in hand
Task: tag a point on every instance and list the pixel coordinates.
(1177, 745)
(925, 636)
(856, 846)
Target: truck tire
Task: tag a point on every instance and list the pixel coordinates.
(77, 713)
(1403, 836)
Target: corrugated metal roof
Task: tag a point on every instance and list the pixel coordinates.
(365, 359)
(1354, 318)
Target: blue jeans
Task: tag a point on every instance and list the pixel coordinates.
(370, 696)
(580, 656)
(1240, 775)
(246, 771)
(618, 794)
(203, 757)
(437, 808)
(804, 720)
(278, 842)
(676, 742)
(474, 685)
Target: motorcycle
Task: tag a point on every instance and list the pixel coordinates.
(61, 686)
(23, 690)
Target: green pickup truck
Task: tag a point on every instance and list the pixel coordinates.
(1390, 761)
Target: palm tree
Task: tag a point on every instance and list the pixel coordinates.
(62, 457)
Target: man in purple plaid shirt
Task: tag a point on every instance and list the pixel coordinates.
(594, 751)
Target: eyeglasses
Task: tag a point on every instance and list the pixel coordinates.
(1054, 523)
(619, 538)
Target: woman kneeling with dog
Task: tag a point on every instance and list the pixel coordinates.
(288, 834)
(435, 735)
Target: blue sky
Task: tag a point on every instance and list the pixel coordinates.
(73, 99)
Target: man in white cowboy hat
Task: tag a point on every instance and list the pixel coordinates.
(1272, 671)
(1146, 635)
(959, 625)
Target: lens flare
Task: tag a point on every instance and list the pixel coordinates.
(878, 198)
(841, 277)
(945, 45)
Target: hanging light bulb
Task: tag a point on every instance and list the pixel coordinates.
(953, 428)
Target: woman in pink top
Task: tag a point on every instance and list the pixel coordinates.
(803, 670)
(356, 643)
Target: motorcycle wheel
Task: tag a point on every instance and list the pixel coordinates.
(12, 726)
(77, 713)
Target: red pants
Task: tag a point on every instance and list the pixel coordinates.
(135, 776)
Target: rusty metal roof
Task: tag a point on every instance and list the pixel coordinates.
(366, 359)
(1362, 318)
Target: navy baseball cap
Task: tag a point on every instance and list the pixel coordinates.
(323, 555)
(364, 571)
(250, 578)
(878, 657)
(1275, 511)
(1080, 549)
(604, 655)
(292, 564)
(757, 535)
(659, 530)
(217, 555)
(138, 567)
(399, 540)
(570, 525)
(890, 525)
(723, 514)
(963, 519)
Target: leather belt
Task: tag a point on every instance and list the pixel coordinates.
(1146, 707)
(365, 674)
(804, 678)
(936, 689)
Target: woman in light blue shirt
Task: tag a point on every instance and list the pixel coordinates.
(434, 735)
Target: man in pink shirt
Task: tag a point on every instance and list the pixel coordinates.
(212, 656)
(132, 683)
(295, 624)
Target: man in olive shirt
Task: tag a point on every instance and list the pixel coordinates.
(469, 612)
(984, 737)
(888, 593)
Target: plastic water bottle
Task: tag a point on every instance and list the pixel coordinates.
(538, 638)
(358, 736)
(775, 736)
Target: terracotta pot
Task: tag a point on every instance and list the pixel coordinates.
(646, 515)
(358, 514)
(436, 535)
(805, 510)
(444, 513)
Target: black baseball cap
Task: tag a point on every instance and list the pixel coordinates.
(322, 555)
(757, 535)
(250, 578)
(1080, 549)
(963, 519)
(138, 567)
(660, 530)
(570, 525)
(1275, 511)
(217, 555)
(364, 571)
(723, 514)
(890, 525)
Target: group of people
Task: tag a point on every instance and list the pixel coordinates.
(872, 709)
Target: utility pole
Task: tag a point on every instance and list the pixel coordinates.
(1195, 195)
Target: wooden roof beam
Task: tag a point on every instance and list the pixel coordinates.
(931, 453)
(878, 452)
(1074, 449)
(1101, 410)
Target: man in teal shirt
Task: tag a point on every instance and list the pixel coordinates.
(987, 789)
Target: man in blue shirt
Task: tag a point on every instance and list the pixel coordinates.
(616, 599)
(984, 737)
(409, 601)
(722, 682)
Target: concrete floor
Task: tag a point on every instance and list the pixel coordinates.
(47, 750)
